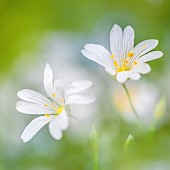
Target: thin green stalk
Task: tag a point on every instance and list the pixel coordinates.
(95, 159)
(131, 104)
(95, 149)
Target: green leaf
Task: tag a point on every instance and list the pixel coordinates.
(160, 109)
(129, 141)
(94, 139)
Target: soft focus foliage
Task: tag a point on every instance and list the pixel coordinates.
(33, 33)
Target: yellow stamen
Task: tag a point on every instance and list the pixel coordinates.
(124, 68)
(135, 62)
(59, 110)
(45, 104)
(126, 61)
(54, 94)
(47, 115)
(115, 63)
(112, 56)
(61, 99)
(119, 69)
(130, 54)
(144, 46)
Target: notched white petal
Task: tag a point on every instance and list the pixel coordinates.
(81, 98)
(116, 40)
(129, 32)
(62, 83)
(143, 68)
(33, 96)
(63, 120)
(48, 72)
(97, 49)
(110, 71)
(135, 76)
(48, 80)
(122, 76)
(150, 56)
(128, 41)
(78, 86)
(144, 47)
(34, 108)
(58, 125)
(96, 53)
(55, 130)
(34, 127)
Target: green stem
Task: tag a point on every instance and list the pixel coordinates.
(95, 159)
(95, 149)
(131, 104)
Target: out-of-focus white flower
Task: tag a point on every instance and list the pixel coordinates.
(62, 93)
(124, 61)
(144, 97)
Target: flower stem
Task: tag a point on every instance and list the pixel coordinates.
(95, 149)
(131, 104)
(95, 159)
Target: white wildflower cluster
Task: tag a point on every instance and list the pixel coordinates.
(125, 61)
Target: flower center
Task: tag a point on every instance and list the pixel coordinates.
(124, 64)
(58, 111)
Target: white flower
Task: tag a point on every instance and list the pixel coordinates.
(62, 93)
(125, 61)
(143, 92)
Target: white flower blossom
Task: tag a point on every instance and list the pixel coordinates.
(62, 93)
(124, 61)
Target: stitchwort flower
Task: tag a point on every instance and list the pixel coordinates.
(124, 61)
(53, 107)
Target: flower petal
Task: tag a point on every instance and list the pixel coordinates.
(55, 129)
(82, 98)
(33, 97)
(62, 83)
(52, 92)
(122, 76)
(150, 56)
(63, 120)
(33, 127)
(110, 70)
(48, 80)
(128, 40)
(97, 53)
(135, 76)
(142, 68)
(78, 86)
(144, 47)
(33, 108)
(116, 37)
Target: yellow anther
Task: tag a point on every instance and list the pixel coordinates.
(119, 69)
(59, 110)
(135, 62)
(126, 61)
(112, 56)
(62, 99)
(54, 94)
(47, 115)
(45, 104)
(130, 54)
(115, 63)
(144, 46)
(124, 68)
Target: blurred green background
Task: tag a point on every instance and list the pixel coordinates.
(35, 32)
